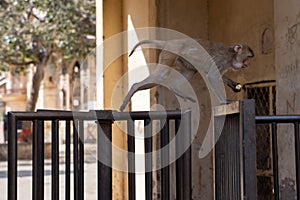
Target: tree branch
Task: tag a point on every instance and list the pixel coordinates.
(11, 62)
(3, 4)
(30, 13)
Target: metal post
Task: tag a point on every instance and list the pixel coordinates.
(148, 158)
(187, 180)
(131, 159)
(104, 151)
(248, 136)
(275, 160)
(165, 173)
(179, 161)
(81, 161)
(75, 159)
(38, 160)
(12, 157)
(55, 161)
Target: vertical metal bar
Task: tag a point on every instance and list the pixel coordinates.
(148, 158)
(165, 150)
(297, 157)
(55, 161)
(131, 159)
(275, 160)
(187, 184)
(38, 160)
(104, 151)
(81, 161)
(68, 161)
(248, 144)
(75, 159)
(12, 157)
(179, 161)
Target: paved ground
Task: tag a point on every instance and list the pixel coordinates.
(90, 174)
(25, 179)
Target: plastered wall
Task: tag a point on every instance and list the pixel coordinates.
(249, 21)
(246, 22)
(229, 22)
(190, 18)
(287, 55)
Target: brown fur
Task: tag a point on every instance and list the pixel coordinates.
(183, 55)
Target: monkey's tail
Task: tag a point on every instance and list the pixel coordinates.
(160, 43)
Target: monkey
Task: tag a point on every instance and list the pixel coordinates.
(183, 55)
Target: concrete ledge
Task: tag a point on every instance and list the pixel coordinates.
(24, 151)
(227, 109)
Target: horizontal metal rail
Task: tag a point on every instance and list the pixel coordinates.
(277, 119)
(97, 114)
(274, 121)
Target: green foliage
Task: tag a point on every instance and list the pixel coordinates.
(31, 30)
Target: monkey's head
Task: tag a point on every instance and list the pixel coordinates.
(241, 56)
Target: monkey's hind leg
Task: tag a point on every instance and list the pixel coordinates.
(182, 95)
(179, 80)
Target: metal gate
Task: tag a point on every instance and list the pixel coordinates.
(235, 152)
(274, 121)
(104, 121)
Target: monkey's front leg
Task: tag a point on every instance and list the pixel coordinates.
(214, 83)
(236, 87)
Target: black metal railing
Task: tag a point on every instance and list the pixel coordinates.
(274, 121)
(235, 151)
(75, 121)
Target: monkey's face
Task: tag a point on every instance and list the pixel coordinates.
(242, 56)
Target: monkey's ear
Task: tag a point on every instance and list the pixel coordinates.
(237, 48)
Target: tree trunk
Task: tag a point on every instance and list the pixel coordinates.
(36, 83)
(38, 76)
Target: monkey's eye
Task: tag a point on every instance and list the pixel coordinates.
(247, 62)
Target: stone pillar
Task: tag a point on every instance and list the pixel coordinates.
(112, 24)
(287, 33)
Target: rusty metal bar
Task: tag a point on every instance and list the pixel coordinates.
(38, 160)
(55, 161)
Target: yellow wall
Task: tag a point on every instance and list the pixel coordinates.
(115, 13)
(232, 22)
(227, 21)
